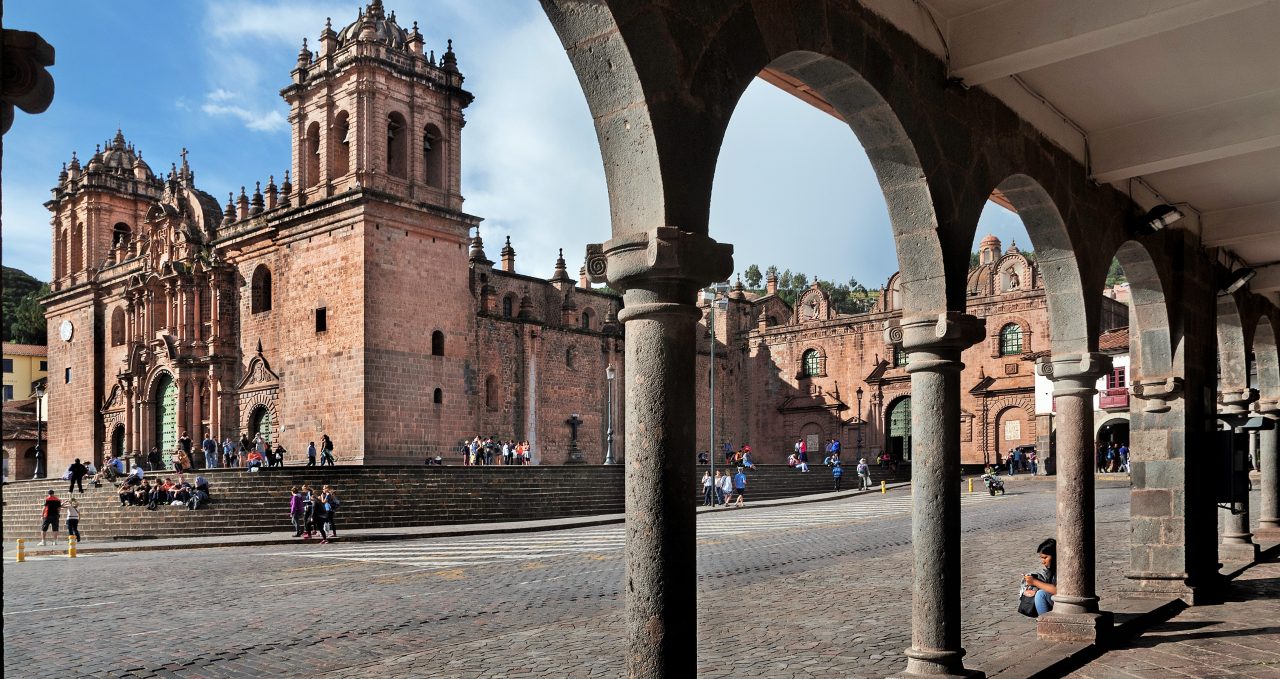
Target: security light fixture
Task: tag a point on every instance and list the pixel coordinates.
(1238, 279)
(1157, 218)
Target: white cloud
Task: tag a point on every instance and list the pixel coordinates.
(223, 103)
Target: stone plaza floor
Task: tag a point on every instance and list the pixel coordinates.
(812, 590)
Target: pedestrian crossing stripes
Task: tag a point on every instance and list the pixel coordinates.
(498, 549)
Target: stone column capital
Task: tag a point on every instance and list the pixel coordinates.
(1156, 393)
(1268, 407)
(664, 264)
(1235, 400)
(1072, 373)
(935, 341)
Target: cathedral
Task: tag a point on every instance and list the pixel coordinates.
(349, 299)
(353, 299)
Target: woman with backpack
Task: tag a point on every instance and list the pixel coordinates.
(73, 519)
(320, 511)
(330, 503)
(326, 450)
(864, 475)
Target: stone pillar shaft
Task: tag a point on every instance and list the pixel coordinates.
(1075, 615)
(1268, 458)
(661, 554)
(934, 345)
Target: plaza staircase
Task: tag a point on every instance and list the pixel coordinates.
(375, 497)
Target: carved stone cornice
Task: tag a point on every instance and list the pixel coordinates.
(1156, 393)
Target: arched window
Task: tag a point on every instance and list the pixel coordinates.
(260, 297)
(1011, 339)
(810, 363)
(120, 234)
(77, 248)
(586, 319)
(396, 157)
(433, 156)
(60, 256)
(437, 343)
(117, 327)
(508, 306)
(311, 155)
(340, 150)
(438, 396)
(491, 392)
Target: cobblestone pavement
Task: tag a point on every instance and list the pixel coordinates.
(798, 591)
(1207, 641)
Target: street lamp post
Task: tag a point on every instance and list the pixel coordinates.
(608, 436)
(40, 472)
(710, 296)
(861, 422)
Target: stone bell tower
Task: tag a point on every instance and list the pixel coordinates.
(371, 109)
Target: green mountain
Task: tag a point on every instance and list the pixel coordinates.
(23, 317)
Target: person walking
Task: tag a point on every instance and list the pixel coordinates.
(708, 493)
(308, 512)
(49, 516)
(726, 488)
(1123, 455)
(864, 475)
(837, 473)
(73, 519)
(717, 489)
(326, 450)
(228, 452)
(740, 486)
(295, 512)
(320, 516)
(331, 505)
(311, 453)
(77, 472)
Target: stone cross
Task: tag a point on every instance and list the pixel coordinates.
(573, 423)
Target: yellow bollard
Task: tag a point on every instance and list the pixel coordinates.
(971, 485)
(22, 550)
(882, 490)
(71, 546)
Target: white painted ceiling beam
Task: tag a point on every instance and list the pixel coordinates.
(1267, 280)
(1242, 224)
(1014, 37)
(1212, 132)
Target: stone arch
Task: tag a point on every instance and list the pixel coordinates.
(340, 148)
(587, 315)
(509, 305)
(1019, 409)
(1069, 316)
(397, 145)
(437, 397)
(120, 234)
(117, 326)
(813, 363)
(897, 428)
(433, 155)
(1233, 375)
(311, 155)
(260, 290)
(1152, 346)
(254, 404)
(491, 392)
(77, 247)
(1266, 359)
(437, 343)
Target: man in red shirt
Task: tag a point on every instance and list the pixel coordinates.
(52, 505)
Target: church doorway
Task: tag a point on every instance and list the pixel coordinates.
(898, 427)
(812, 435)
(1013, 429)
(117, 441)
(260, 423)
(166, 411)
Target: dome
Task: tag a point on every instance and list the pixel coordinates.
(374, 24)
(990, 241)
(119, 157)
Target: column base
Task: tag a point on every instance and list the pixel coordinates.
(936, 665)
(1157, 586)
(1238, 551)
(1089, 628)
(1268, 528)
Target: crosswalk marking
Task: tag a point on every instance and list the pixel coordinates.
(500, 549)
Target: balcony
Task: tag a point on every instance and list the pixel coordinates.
(1114, 399)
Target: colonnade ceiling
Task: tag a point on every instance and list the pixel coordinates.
(1176, 101)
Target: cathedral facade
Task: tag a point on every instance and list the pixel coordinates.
(349, 299)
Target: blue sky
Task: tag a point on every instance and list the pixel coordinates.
(206, 75)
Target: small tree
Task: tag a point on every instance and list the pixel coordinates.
(753, 276)
(784, 280)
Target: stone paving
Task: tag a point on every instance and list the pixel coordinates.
(1239, 638)
(804, 597)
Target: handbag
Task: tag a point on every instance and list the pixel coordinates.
(1027, 605)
